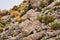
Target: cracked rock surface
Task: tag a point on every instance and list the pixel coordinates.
(31, 20)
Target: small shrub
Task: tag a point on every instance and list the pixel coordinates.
(1, 29)
(3, 12)
(23, 8)
(15, 8)
(14, 34)
(44, 39)
(19, 19)
(57, 3)
(9, 20)
(43, 3)
(55, 26)
(46, 19)
(1, 25)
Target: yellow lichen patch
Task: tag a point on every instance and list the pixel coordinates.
(13, 13)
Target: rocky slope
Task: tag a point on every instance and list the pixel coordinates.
(31, 20)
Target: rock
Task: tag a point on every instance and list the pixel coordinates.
(31, 15)
(34, 36)
(35, 3)
(51, 34)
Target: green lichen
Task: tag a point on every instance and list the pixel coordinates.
(46, 19)
(55, 26)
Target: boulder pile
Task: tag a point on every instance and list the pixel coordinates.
(31, 20)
